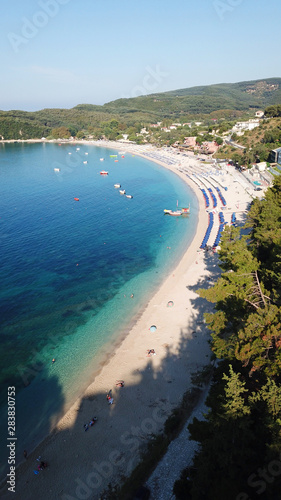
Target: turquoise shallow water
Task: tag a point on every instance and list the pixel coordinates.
(68, 267)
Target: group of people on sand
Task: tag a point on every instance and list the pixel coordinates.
(150, 352)
(90, 424)
(41, 466)
(110, 399)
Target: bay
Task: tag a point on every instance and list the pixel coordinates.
(68, 268)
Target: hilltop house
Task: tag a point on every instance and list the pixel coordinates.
(240, 127)
(155, 125)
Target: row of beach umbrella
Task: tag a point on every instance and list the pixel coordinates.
(207, 202)
(221, 196)
(208, 231)
(221, 227)
(213, 197)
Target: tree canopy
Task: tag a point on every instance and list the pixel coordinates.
(241, 436)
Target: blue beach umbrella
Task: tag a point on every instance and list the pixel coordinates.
(153, 328)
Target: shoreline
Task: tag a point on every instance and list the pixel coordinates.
(181, 345)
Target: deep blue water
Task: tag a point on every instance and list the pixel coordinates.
(68, 267)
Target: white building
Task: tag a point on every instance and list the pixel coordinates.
(240, 127)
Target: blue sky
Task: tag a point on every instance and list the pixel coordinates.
(60, 53)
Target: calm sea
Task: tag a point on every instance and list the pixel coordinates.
(68, 268)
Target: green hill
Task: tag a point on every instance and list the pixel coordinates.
(205, 99)
(226, 99)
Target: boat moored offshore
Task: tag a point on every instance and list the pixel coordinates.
(173, 212)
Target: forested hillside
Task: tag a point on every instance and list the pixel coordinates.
(205, 99)
(240, 440)
(195, 103)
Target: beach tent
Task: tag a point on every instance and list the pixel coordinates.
(153, 328)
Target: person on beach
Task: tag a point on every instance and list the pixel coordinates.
(42, 465)
(119, 383)
(109, 399)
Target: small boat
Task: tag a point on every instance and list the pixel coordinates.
(117, 185)
(101, 159)
(76, 199)
(77, 149)
(185, 210)
(180, 211)
(103, 172)
(85, 162)
(173, 212)
(70, 153)
(129, 196)
(86, 153)
(56, 169)
(122, 191)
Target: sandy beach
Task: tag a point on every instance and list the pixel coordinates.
(81, 464)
